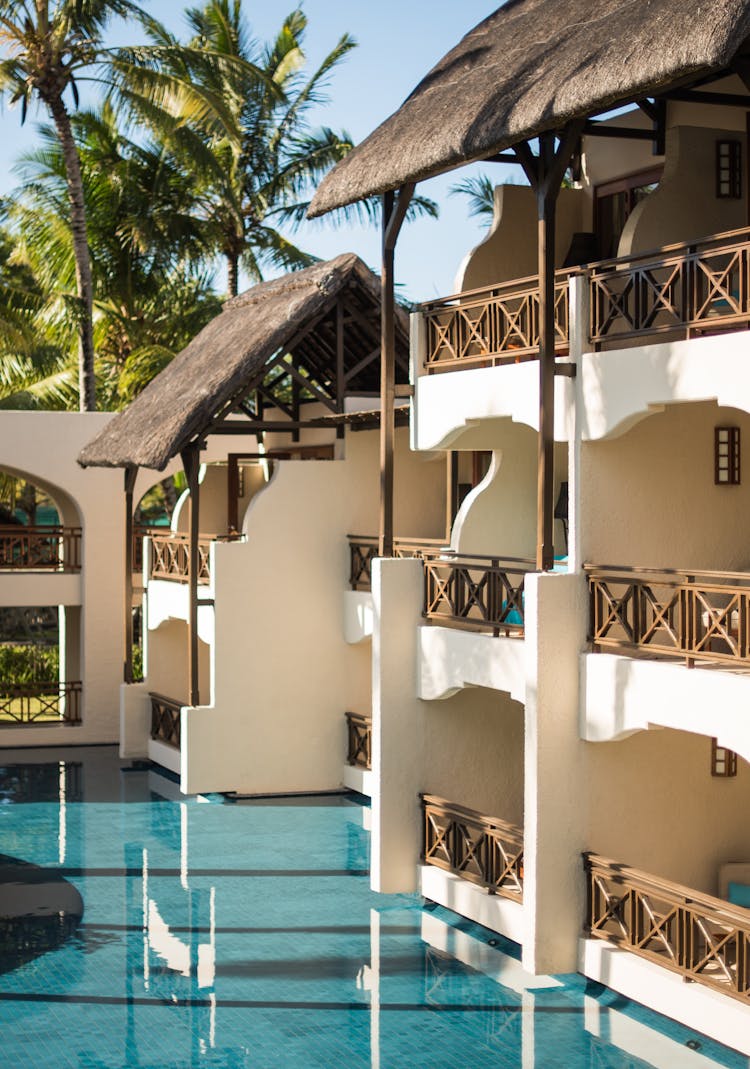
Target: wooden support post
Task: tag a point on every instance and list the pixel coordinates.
(191, 464)
(394, 210)
(546, 204)
(451, 491)
(127, 672)
(340, 374)
(233, 492)
(545, 173)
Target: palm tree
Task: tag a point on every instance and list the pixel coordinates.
(45, 53)
(146, 241)
(258, 159)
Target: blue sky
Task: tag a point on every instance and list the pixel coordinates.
(398, 43)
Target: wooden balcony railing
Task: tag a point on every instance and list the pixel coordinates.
(359, 740)
(165, 720)
(40, 703)
(363, 549)
(696, 288)
(482, 849)
(170, 557)
(141, 531)
(477, 593)
(695, 616)
(496, 325)
(49, 549)
(702, 938)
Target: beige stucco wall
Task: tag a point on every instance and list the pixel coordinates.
(509, 250)
(648, 497)
(168, 662)
(43, 446)
(498, 517)
(472, 747)
(685, 206)
(284, 674)
(653, 804)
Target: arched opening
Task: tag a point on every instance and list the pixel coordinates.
(40, 525)
(40, 665)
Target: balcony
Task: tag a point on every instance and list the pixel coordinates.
(45, 549)
(704, 940)
(680, 291)
(460, 590)
(359, 741)
(484, 850)
(166, 720)
(40, 703)
(170, 557)
(694, 617)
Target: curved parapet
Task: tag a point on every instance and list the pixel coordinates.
(623, 695)
(621, 387)
(449, 660)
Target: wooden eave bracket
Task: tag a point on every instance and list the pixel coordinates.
(404, 389)
(566, 371)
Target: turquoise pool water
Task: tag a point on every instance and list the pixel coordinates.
(245, 935)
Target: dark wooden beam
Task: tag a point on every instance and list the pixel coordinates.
(502, 157)
(697, 96)
(595, 128)
(550, 170)
(394, 210)
(451, 491)
(340, 374)
(130, 475)
(191, 464)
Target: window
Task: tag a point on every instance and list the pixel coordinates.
(728, 170)
(614, 203)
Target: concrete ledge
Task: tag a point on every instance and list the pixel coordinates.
(492, 911)
(164, 755)
(358, 779)
(358, 616)
(449, 659)
(622, 695)
(40, 588)
(715, 1015)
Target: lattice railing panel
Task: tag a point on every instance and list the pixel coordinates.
(699, 616)
(166, 720)
(484, 850)
(170, 557)
(40, 703)
(697, 288)
(55, 549)
(703, 938)
(491, 326)
(359, 740)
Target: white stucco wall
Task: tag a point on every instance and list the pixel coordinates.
(284, 673)
(648, 497)
(42, 447)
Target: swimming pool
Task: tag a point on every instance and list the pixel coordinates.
(219, 933)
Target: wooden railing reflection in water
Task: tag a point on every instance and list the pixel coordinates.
(687, 288)
(698, 616)
(359, 740)
(165, 720)
(702, 938)
(484, 850)
(363, 549)
(40, 703)
(494, 325)
(51, 549)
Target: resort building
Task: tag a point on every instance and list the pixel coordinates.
(485, 566)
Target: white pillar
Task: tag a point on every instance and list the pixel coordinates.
(397, 593)
(555, 813)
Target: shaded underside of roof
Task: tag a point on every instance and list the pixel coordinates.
(530, 67)
(232, 355)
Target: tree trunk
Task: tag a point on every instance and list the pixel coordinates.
(86, 381)
(233, 273)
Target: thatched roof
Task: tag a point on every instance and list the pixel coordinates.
(530, 67)
(230, 357)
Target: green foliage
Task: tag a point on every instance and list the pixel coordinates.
(137, 664)
(29, 663)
